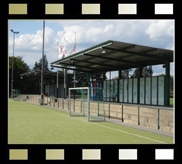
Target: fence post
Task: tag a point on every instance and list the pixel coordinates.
(63, 103)
(109, 110)
(104, 110)
(68, 103)
(138, 115)
(54, 102)
(98, 108)
(83, 106)
(58, 102)
(122, 114)
(158, 115)
(74, 104)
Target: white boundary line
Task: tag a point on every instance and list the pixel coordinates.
(99, 124)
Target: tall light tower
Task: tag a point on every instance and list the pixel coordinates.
(14, 32)
(57, 71)
(42, 70)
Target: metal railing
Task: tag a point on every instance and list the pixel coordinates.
(151, 116)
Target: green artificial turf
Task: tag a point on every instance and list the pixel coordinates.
(171, 101)
(35, 124)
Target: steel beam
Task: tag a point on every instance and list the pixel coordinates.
(111, 59)
(80, 70)
(74, 65)
(136, 53)
(86, 61)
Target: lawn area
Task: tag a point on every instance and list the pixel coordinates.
(171, 101)
(35, 124)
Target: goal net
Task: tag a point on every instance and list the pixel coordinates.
(86, 101)
(16, 94)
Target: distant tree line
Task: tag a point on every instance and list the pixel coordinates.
(31, 84)
(38, 65)
(19, 67)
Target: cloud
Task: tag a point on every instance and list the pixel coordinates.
(145, 32)
(33, 41)
(160, 28)
(29, 46)
(89, 33)
(93, 32)
(158, 33)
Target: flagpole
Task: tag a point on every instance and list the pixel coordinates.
(74, 70)
(65, 73)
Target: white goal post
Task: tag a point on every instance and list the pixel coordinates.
(86, 101)
(88, 98)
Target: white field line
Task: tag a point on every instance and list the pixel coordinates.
(100, 125)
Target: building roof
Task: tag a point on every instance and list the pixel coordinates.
(113, 55)
(38, 73)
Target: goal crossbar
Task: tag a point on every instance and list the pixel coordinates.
(83, 102)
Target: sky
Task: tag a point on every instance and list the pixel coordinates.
(28, 43)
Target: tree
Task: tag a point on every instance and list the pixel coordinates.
(81, 80)
(125, 73)
(146, 72)
(38, 65)
(171, 83)
(19, 67)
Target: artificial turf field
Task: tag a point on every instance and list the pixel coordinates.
(35, 124)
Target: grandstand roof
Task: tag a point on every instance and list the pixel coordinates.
(38, 73)
(113, 55)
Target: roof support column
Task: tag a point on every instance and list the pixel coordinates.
(140, 71)
(167, 84)
(104, 75)
(104, 78)
(138, 88)
(91, 76)
(119, 77)
(65, 83)
(119, 73)
(57, 79)
(88, 79)
(74, 78)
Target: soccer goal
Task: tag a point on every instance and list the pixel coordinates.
(84, 101)
(16, 94)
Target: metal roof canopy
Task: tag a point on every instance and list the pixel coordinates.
(38, 73)
(113, 55)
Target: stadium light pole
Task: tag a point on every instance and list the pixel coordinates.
(42, 71)
(57, 70)
(14, 32)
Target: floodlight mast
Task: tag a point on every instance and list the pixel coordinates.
(14, 32)
(57, 70)
(42, 71)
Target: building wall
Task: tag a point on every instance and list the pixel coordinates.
(144, 90)
(51, 90)
(160, 118)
